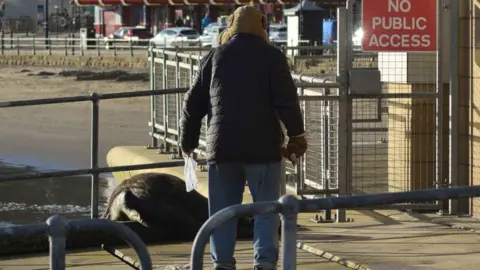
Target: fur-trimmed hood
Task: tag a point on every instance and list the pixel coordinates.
(246, 20)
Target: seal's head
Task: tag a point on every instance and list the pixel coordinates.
(245, 19)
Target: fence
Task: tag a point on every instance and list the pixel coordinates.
(289, 207)
(320, 105)
(370, 142)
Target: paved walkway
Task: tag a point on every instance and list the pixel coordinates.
(379, 239)
(374, 240)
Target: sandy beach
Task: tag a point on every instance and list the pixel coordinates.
(59, 135)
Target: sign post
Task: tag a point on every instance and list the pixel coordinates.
(399, 25)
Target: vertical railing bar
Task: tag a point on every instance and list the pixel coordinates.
(326, 149)
(165, 102)
(57, 238)
(300, 169)
(342, 70)
(178, 105)
(454, 101)
(289, 216)
(439, 179)
(153, 99)
(94, 156)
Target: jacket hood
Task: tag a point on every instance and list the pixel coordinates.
(246, 20)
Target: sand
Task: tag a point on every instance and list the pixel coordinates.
(58, 136)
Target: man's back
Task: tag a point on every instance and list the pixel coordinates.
(244, 126)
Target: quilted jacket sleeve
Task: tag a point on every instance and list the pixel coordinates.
(285, 98)
(195, 105)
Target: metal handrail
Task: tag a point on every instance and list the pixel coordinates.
(57, 227)
(92, 97)
(41, 175)
(289, 206)
(94, 170)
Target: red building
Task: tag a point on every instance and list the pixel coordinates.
(110, 15)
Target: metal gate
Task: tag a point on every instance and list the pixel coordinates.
(396, 140)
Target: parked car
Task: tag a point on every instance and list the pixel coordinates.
(277, 32)
(176, 37)
(209, 39)
(138, 35)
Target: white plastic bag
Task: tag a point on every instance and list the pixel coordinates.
(191, 180)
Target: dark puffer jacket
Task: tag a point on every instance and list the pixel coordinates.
(245, 88)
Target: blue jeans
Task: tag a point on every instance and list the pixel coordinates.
(226, 184)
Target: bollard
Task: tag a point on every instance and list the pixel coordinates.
(57, 236)
(290, 208)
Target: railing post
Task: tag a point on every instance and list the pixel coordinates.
(3, 42)
(98, 46)
(82, 48)
(165, 102)
(49, 47)
(94, 156)
(57, 236)
(153, 98)
(34, 47)
(18, 46)
(131, 47)
(454, 103)
(73, 44)
(342, 73)
(178, 104)
(66, 46)
(326, 150)
(290, 208)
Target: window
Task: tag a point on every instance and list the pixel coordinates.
(140, 31)
(189, 32)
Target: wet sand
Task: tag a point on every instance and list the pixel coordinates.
(56, 137)
(60, 134)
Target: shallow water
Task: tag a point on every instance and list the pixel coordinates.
(31, 201)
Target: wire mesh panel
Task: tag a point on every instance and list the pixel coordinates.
(158, 75)
(319, 166)
(395, 134)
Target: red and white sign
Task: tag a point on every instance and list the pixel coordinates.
(399, 25)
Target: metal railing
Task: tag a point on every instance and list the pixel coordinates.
(94, 171)
(289, 206)
(317, 173)
(57, 227)
(101, 46)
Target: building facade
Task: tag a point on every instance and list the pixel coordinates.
(110, 15)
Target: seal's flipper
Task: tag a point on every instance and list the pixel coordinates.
(136, 209)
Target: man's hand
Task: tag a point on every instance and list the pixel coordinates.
(186, 152)
(296, 147)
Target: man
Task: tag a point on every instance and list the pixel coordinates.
(245, 88)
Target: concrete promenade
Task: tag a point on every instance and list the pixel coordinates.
(374, 240)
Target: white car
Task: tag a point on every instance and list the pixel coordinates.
(209, 39)
(277, 32)
(176, 37)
